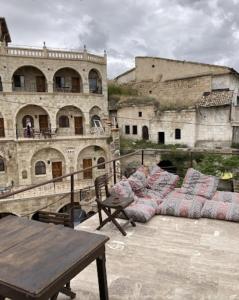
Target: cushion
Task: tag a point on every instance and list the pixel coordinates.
(176, 195)
(181, 208)
(221, 210)
(137, 180)
(146, 195)
(226, 197)
(162, 181)
(140, 212)
(123, 189)
(153, 169)
(196, 183)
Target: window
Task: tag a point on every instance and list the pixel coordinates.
(27, 120)
(127, 129)
(18, 81)
(237, 103)
(140, 113)
(64, 122)
(153, 66)
(100, 161)
(135, 129)
(95, 121)
(2, 165)
(150, 92)
(177, 134)
(0, 84)
(95, 83)
(60, 82)
(40, 168)
(24, 174)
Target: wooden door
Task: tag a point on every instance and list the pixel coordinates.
(2, 132)
(43, 123)
(145, 133)
(40, 84)
(87, 163)
(56, 169)
(78, 125)
(75, 84)
(161, 137)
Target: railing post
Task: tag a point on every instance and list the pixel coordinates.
(142, 156)
(72, 201)
(114, 171)
(191, 159)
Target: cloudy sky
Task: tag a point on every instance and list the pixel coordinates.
(198, 30)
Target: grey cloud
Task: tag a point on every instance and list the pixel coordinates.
(199, 30)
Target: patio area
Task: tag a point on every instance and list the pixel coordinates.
(167, 258)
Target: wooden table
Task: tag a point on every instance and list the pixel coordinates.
(37, 260)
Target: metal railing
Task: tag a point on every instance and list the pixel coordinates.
(111, 163)
(139, 155)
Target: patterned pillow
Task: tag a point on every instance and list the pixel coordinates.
(162, 181)
(123, 189)
(181, 208)
(221, 211)
(149, 196)
(137, 180)
(196, 183)
(226, 197)
(176, 195)
(154, 169)
(140, 212)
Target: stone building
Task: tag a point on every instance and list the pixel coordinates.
(53, 104)
(198, 104)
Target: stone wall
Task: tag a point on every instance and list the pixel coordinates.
(214, 127)
(21, 153)
(156, 69)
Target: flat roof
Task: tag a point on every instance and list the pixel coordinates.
(166, 258)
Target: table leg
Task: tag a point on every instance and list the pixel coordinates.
(54, 297)
(102, 277)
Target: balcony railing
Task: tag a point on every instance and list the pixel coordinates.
(30, 87)
(52, 54)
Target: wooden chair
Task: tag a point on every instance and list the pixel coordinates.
(111, 202)
(57, 219)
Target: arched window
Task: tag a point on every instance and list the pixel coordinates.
(64, 122)
(95, 83)
(40, 168)
(27, 120)
(2, 165)
(101, 160)
(95, 121)
(177, 134)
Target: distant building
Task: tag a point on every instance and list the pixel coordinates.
(52, 108)
(198, 104)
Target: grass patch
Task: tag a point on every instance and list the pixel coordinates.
(115, 89)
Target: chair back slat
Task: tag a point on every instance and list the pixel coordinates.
(55, 218)
(101, 182)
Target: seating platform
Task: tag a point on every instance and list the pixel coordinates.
(166, 258)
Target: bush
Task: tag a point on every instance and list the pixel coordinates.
(115, 89)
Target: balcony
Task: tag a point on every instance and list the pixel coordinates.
(29, 79)
(67, 80)
(53, 54)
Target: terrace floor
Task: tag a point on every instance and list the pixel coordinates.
(167, 258)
